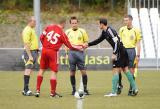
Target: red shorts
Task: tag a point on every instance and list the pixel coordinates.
(49, 59)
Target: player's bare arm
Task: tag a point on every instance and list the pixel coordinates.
(138, 50)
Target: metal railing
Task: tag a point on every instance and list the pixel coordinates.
(144, 4)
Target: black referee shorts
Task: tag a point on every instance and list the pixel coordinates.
(122, 59)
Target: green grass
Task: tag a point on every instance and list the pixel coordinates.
(11, 84)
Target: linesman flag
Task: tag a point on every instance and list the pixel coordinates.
(135, 67)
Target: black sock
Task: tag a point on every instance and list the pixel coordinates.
(120, 79)
(84, 79)
(73, 82)
(26, 82)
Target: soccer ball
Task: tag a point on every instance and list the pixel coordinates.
(79, 94)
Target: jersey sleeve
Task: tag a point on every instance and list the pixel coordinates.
(27, 35)
(116, 45)
(138, 35)
(85, 36)
(96, 41)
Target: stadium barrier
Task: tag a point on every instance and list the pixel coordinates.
(96, 59)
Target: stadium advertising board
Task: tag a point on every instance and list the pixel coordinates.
(96, 59)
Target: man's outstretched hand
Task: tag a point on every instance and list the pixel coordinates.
(85, 45)
(80, 47)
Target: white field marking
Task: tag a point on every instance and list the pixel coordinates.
(80, 101)
(81, 88)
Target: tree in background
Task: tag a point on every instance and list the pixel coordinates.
(47, 4)
(16, 4)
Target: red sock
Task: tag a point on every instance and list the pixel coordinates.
(53, 83)
(39, 81)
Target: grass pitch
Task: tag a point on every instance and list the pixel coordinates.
(99, 83)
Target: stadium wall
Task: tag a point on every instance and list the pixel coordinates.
(96, 59)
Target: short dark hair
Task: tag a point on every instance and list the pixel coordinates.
(103, 21)
(128, 16)
(73, 18)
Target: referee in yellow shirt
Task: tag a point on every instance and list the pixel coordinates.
(30, 41)
(130, 37)
(77, 36)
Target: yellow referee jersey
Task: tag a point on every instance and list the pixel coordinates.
(129, 37)
(77, 37)
(30, 37)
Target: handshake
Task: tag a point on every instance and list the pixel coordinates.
(85, 45)
(81, 47)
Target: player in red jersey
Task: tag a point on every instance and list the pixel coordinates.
(52, 39)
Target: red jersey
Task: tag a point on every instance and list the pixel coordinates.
(53, 37)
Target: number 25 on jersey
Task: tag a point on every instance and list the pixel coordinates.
(52, 37)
